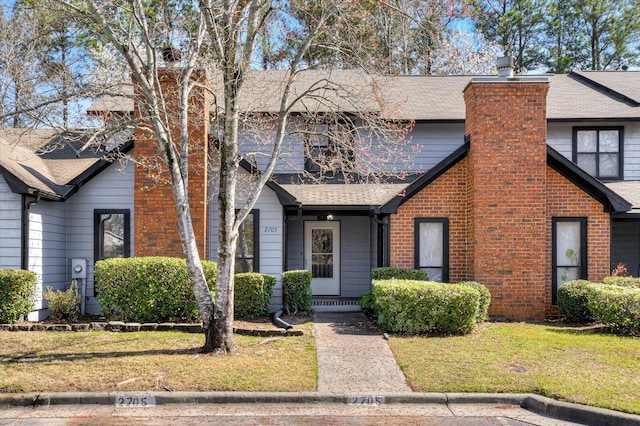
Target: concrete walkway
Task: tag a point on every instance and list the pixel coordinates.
(353, 358)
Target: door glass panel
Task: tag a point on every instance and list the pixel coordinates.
(322, 253)
(587, 141)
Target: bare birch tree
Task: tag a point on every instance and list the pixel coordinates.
(222, 36)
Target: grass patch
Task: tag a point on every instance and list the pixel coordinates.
(566, 363)
(147, 361)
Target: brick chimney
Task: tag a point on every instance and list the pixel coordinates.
(155, 217)
(507, 126)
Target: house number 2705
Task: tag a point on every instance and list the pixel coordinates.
(270, 229)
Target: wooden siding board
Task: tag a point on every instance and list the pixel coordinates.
(111, 189)
(47, 250)
(270, 254)
(10, 227)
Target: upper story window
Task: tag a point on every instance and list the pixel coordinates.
(328, 148)
(111, 233)
(598, 151)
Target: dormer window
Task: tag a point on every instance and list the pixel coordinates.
(598, 151)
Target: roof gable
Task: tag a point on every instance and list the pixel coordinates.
(52, 166)
(611, 201)
(417, 185)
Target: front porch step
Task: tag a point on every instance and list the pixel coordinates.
(335, 305)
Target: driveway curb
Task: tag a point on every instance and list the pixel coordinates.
(562, 410)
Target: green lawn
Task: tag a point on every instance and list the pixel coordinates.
(147, 361)
(566, 363)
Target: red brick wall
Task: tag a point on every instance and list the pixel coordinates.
(500, 202)
(567, 200)
(508, 128)
(155, 216)
(446, 197)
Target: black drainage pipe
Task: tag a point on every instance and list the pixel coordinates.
(280, 322)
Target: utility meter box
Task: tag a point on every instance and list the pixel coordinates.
(79, 269)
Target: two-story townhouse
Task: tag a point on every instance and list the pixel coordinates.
(520, 183)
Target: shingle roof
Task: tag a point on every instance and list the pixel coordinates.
(351, 195)
(46, 162)
(629, 190)
(578, 96)
(624, 83)
(113, 102)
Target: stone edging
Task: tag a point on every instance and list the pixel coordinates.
(120, 326)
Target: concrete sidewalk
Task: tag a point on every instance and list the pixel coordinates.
(353, 358)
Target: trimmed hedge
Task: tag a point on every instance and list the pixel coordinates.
(573, 301)
(389, 273)
(296, 288)
(618, 307)
(368, 304)
(484, 302)
(17, 291)
(252, 294)
(148, 289)
(623, 281)
(425, 307)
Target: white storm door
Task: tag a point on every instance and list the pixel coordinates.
(322, 256)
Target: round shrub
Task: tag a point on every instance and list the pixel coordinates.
(388, 273)
(425, 307)
(618, 307)
(252, 294)
(17, 291)
(296, 288)
(148, 289)
(483, 303)
(573, 301)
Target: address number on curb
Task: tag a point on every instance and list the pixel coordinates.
(368, 400)
(135, 401)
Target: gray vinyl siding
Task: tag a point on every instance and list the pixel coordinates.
(625, 244)
(257, 149)
(426, 146)
(111, 189)
(560, 138)
(270, 235)
(47, 250)
(355, 249)
(10, 227)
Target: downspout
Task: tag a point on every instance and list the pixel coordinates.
(383, 240)
(26, 205)
(276, 316)
(288, 219)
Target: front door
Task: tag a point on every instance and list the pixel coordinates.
(322, 256)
